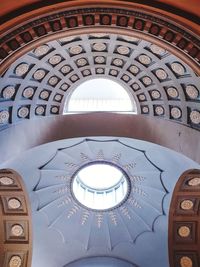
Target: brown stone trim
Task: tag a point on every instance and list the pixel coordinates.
(15, 220)
(184, 221)
(165, 28)
(154, 4)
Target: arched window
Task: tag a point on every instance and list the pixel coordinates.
(100, 95)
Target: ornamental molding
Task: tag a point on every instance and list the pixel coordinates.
(184, 221)
(15, 221)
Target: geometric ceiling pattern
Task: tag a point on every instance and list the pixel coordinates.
(73, 231)
(142, 205)
(40, 82)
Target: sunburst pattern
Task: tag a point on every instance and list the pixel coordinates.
(136, 215)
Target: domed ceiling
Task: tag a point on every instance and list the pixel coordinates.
(65, 231)
(40, 82)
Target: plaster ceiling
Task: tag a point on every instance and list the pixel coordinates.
(40, 82)
(64, 231)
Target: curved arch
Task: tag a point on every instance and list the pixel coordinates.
(160, 82)
(100, 261)
(15, 221)
(184, 221)
(148, 21)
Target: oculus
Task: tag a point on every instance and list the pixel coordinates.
(100, 186)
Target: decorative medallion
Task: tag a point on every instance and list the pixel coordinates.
(54, 60)
(194, 181)
(65, 69)
(14, 203)
(159, 110)
(192, 91)
(176, 112)
(41, 50)
(142, 97)
(23, 112)
(4, 116)
(74, 78)
(81, 62)
(99, 47)
(157, 50)
(58, 97)
(187, 205)
(15, 261)
(17, 230)
(86, 72)
(99, 70)
(40, 110)
(64, 86)
(21, 69)
(28, 92)
(8, 92)
(53, 80)
(118, 62)
(145, 109)
(135, 86)
(113, 72)
(99, 60)
(44, 94)
(144, 59)
(178, 68)
(195, 116)
(146, 80)
(5, 180)
(123, 50)
(172, 92)
(134, 69)
(161, 74)
(54, 109)
(155, 94)
(75, 50)
(184, 231)
(186, 262)
(126, 78)
(39, 74)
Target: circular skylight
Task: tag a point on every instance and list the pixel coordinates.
(100, 186)
(100, 95)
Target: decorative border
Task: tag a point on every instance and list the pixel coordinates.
(184, 221)
(15, 221)
(165, 30)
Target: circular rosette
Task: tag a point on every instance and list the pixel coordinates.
(134, 216)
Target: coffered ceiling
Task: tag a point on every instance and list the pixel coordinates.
(41, 81)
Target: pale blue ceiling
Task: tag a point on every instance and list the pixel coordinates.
(64, 231)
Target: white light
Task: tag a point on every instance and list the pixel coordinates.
(100, 176)
(100, 186)
(100, 95)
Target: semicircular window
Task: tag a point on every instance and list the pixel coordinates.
(100, 95)
(100, 186)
